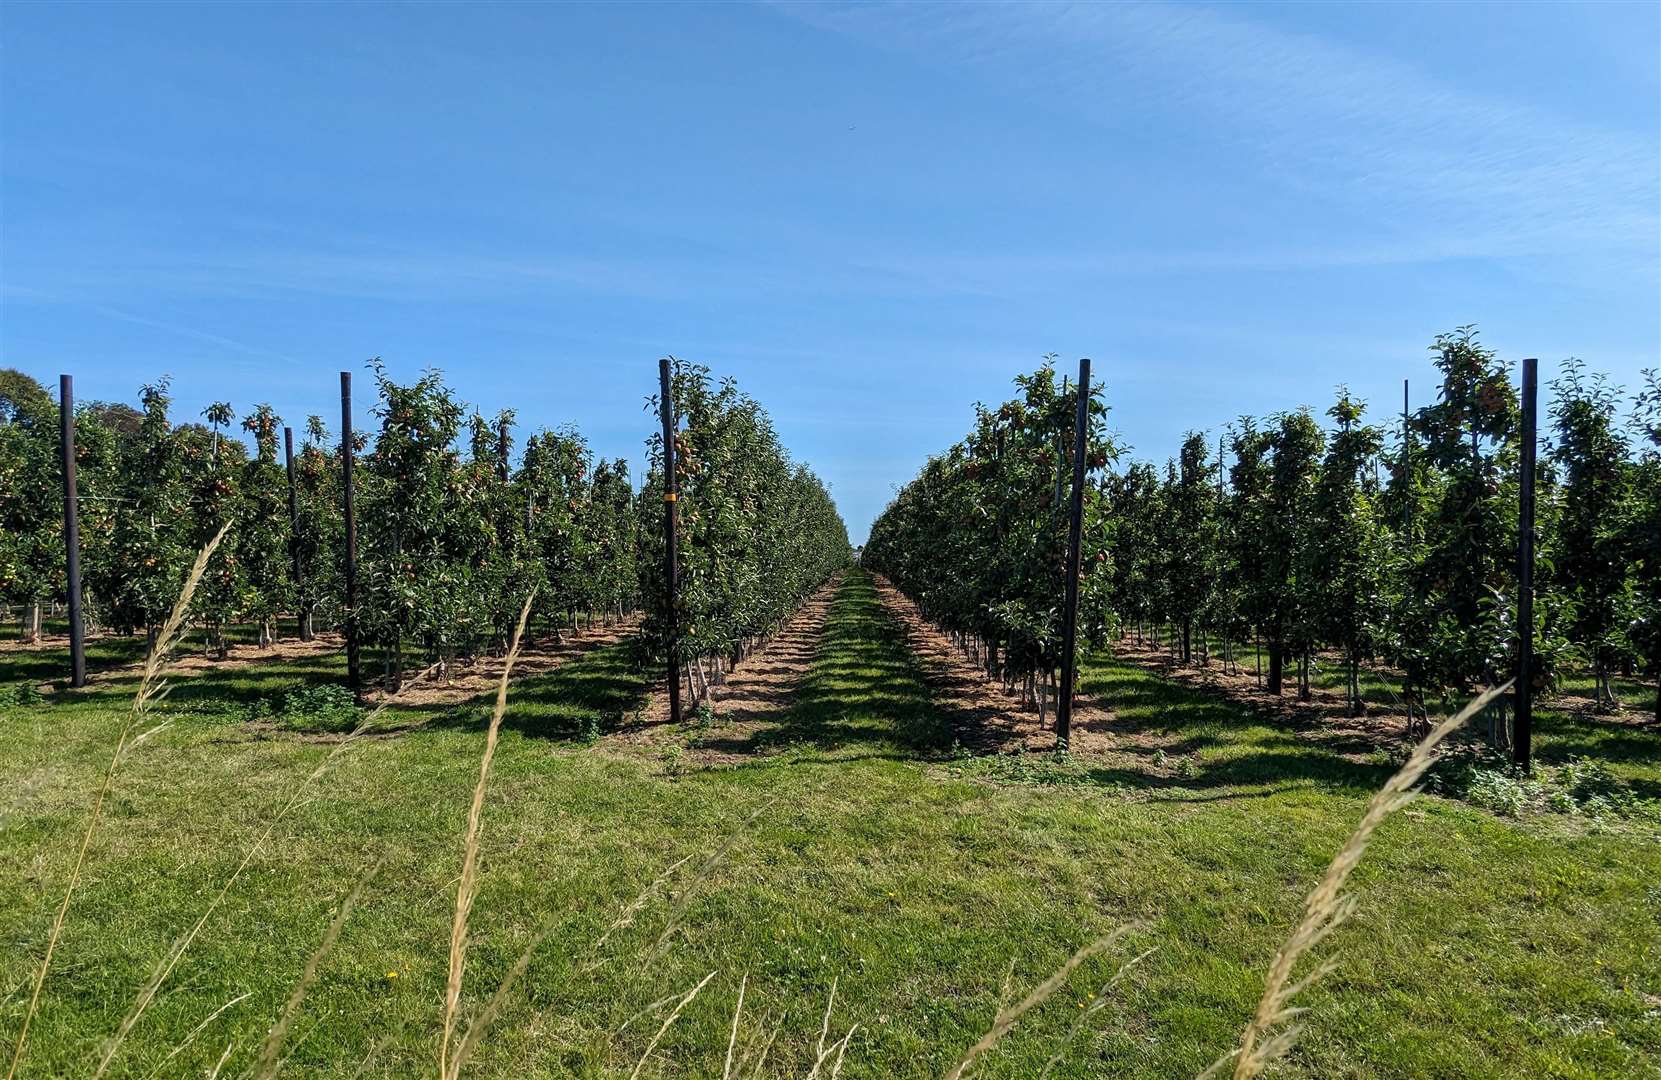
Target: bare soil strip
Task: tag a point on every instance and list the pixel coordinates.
(46, 643)
(1325, 718)
(987, 719)
(755, 694)
(467, 679)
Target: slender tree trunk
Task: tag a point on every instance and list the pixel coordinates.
(307, 632)
(1277, 663)
(1187, 640)
(31, 624)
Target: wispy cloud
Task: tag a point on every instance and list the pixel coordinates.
(1445, 172)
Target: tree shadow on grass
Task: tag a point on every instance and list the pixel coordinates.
(582, 698)
(863, 696)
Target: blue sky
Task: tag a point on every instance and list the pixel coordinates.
(872, 216)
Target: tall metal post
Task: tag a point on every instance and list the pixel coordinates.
(354, 670)
(671, 564)
(1406, 463)
(1522, 747)
(71, 532)
(1075, 536)
(293, 527)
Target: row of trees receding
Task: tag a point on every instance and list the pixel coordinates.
(453, 533)
(1386, 543)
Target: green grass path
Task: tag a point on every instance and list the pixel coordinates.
(863, 853)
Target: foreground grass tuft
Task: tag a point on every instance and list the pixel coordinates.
(853, 852)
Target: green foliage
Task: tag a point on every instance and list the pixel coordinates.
(31, 494)
(22, 695)
(318, 707)
(978, 539)
(758, 532)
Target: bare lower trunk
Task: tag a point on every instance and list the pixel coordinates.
(307, 632)
(31, 623)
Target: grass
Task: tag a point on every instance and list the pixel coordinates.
(934, 889)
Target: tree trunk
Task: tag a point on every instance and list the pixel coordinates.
(31, 624)
(1187, 641)
(1277, 664)
(307, 633)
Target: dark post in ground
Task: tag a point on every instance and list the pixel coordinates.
(671, 565)
(354, 669)
(1075, 536)
(72, 533)
(1522, 744)
(1406, 462)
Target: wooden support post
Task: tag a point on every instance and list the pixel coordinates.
(71, 533)
(1075, 535)
(354, 669)
(1522, 745)
(671, 564)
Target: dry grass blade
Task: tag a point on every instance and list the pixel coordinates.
(684, 899)
(839, 1048)
(147, 690)
(824, 1027)
(147, 995)
(1097, 1005)
(1326, 908)
(467, 887)
(1041, 993)
(767, 1047)
(626, 918)
(686, 999)
(481, 1023)
(732, 1041)
(197, 1030)
(223, 1058)
(267, 1065)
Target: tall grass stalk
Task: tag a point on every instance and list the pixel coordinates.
(467, 887)
(197, 1030)
(1097, 1004)
(1041, 993)
(266, 1068)
(1271, 1032)
(165, 968)
(150, 689)
(683, 901)
(732, 1041)
(686, 999)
